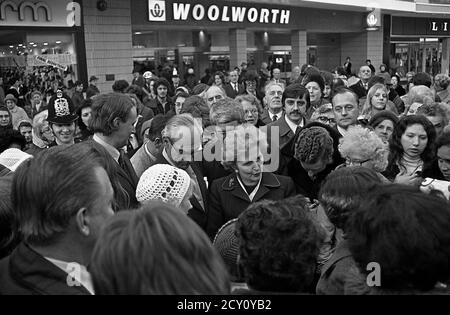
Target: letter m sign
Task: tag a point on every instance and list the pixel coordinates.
(156, 10)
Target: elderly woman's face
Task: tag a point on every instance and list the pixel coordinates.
(250, 172)
(251, 113)
(384, 130)
(379, 99)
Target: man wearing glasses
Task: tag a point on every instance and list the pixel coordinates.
(251, 85)
(346, 110)
(182, 141)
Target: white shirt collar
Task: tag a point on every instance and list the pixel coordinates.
(271, 115)
(292, 125)
(253, 193)
(111, 150)
(79, 273)
(166, 156)
(342, 131)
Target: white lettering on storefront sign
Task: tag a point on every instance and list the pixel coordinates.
(435, 26)
(20, 8)
(182, 11)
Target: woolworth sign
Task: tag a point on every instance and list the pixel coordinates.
(161, 11)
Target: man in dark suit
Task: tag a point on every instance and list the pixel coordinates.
(273, 103)
(92, 90)
(182, 140)
(37, 104)
(296, 103)
(61, 200)
(233, 88)
(276, 74)
(113, 120)
(362, 86)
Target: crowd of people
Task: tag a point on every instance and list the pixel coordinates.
(240, 183)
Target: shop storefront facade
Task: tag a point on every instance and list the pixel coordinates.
(221, 35)
(42, 34)
(420, 44)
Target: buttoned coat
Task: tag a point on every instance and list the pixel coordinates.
(228, 199)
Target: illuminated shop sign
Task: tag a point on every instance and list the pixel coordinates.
(406, 26)
(160, 11)
(52, 13)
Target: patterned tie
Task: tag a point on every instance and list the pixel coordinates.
(275, 118)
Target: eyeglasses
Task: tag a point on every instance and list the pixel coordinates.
(326, 120)
(351, 162)
(252, 83)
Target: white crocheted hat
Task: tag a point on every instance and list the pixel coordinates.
(12, 158)
(165, 183)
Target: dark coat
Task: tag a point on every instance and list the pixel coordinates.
(229, 200)
(91, 91)
(359, 89)
(335, 271)
(26, 272)
(289, 166)
(231, 92)
(77, 99)
(286, 134)
(430, 170)
(128, 181)
(265, 117)
(34, 111)
(158, 108)
(197, 213)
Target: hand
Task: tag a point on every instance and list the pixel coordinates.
(410, 180)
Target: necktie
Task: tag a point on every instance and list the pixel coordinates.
(236, 88)
(275, 118)
(197, 192)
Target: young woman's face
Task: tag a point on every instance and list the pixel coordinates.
(379, 99)
(179, 105)
(218, 80)
(86, 115)
(414, 140)
(5, 119)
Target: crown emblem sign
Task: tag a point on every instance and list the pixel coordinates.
(62, 107)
